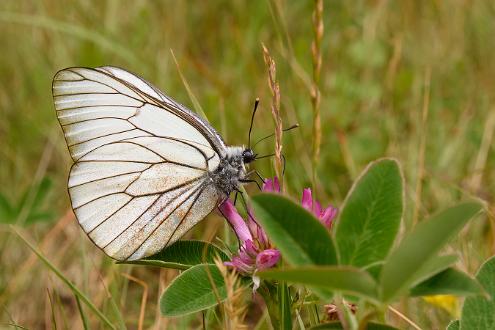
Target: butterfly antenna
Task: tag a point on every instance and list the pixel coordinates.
(283, 161)
(271, 135)
(265, 156)
(256, 102)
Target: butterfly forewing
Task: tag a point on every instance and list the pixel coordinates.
(140, 177)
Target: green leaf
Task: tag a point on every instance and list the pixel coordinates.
(299, 236)
(6, 211)
(371, 215)
(198, 288)
(42, 192)
(454, 325)
(434, 266)
(479, 312)
(39, 217)
(408, 261)
(449, 281)
(346, 279)
(337, 326)
(182, 255)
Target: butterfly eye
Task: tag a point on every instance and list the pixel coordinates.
(248, 156)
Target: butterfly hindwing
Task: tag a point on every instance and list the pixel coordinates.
(140, 177)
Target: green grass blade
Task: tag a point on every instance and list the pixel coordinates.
(71, 285)
(70, 29)
(84, 318)
(284, 306)
(196, 105)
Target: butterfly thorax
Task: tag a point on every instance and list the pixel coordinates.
(230, 171)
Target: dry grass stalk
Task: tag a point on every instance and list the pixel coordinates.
(25, 269)
(422, 146)
(315, 91)
(234, 306)
(165, 276)
(144, 298)
(403, 317)
(275, 89)
(482, 157)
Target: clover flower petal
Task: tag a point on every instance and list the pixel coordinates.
(271, 185)
(325, 215)
(240, 227)
(255, 251)
(267, 259)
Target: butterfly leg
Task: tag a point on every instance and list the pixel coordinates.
(249, 181)
(248, 212)
(235, 197)
(246, 180)
(259, 176)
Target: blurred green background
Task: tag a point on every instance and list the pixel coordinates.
(408, 79)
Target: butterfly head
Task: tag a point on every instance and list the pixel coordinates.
(248, 156)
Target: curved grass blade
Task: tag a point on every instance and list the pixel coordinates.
(71, 285)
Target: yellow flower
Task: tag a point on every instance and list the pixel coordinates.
(447, 302)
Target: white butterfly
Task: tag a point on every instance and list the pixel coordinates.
(146, 169)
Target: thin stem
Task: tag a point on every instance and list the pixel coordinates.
(405, 318)
(422, 146)
(268, 292)
(144, 298)
(275, 89)
(315, 91)
(197, 106)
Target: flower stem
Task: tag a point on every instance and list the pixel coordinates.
(277, 118)
(269, 293)
(284, 302)
(315, 91)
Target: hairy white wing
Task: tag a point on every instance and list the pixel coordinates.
(140, 178)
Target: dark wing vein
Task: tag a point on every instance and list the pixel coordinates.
(102, 105)
(168, 215)
(186, 214)
(100, 136)
(178, 110)
(146, 210)
(109, 177)
(98, 118)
